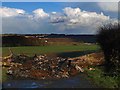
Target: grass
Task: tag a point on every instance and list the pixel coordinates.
(4, 75)
(100, 80)
(31, 50)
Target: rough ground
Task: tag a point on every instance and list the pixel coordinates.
(44, 67)
(56, 75)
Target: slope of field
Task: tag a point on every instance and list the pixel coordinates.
(31, 50)
(41, 40)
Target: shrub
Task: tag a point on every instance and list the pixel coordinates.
(109, 40)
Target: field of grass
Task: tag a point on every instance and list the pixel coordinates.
(31, 50)
(101, 80)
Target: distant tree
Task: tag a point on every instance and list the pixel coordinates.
(109, 40)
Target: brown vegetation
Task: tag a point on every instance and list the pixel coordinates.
(43, 67)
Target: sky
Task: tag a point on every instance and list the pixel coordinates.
(57, 17)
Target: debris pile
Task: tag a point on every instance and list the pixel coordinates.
(42, 67)
(89, 59)
(46, 67)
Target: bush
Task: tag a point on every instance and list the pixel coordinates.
(109, 40)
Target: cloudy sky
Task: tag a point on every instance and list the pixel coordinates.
(56, 17)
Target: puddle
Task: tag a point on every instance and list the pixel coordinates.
(78, 81)
(70, 54)
(73, 54)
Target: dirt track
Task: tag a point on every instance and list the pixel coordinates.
(78, 81)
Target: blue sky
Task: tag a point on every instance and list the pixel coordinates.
(58, 6)
(72, 20)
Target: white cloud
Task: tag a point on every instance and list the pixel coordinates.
(13, 12)
(76, 17)
(8, 12)
(76, 20)
(72, 12)
(72, 20)
(56, 17)
(54, 12)
(18, 25)
(84, 18)
(39, 13)
(109, 6)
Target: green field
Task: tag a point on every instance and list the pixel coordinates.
(31, 50)
(98, 77)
